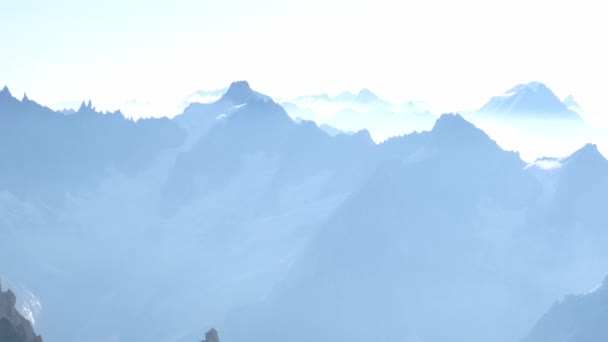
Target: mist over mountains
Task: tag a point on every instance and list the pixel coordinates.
(531, 119)
(233, 214)
(528, 118)
(530, 101)
(364, 110)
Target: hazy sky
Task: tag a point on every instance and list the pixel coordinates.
(455, 54)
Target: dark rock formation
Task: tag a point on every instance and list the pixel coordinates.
(211, 336)
(13, 326)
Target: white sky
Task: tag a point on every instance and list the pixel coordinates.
(454, 54)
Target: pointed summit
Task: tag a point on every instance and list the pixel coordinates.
(452, 130)
(7, 102)
(587, 154)
(5, 92)
(452, 123)
(86, 106)
(533, 100)
(239, 92)
(366, 95)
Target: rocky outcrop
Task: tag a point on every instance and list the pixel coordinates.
(13, 326)
(211, 336)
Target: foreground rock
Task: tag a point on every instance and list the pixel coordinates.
(13, 326)
(211, 336)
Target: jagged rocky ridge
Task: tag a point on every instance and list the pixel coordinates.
(13, 326)
(50, 153)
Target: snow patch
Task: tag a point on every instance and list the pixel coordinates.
(593, 290)
(545, 164)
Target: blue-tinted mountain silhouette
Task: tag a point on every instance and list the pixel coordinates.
(401, 246)
(198, 118)
(364, 110)
(363, 97)
(577, 318)
(528, 101)
(289, 232)
(421, 245)
(332, 131)
(571, 103)
(582, 182)
(257, 125)
(49, 153)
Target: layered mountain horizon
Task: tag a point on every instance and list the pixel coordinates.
(235, 215)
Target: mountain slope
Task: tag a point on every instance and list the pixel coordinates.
(13, 326)
(528, 101)
(579, 318)
(403, 254)
(583, 182)
(198, 118)
(260, 127)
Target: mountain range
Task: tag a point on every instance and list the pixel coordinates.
(234, 215)
(349, 111)
(49, 153)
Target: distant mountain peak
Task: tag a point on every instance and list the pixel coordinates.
(363, 135)
(532, 100)
(451, 122)
(7, 101)
(454, 130)
(570, 102)
(533, 86)
(588, 153)
(322, 96)
(240, 92)
(315, 97)
(5, 92)
(86, 106)
(240, 86)
(366, 95)
(345, 96)
(589, 148)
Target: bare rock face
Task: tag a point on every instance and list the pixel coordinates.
(211, 336)
(13, 326)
